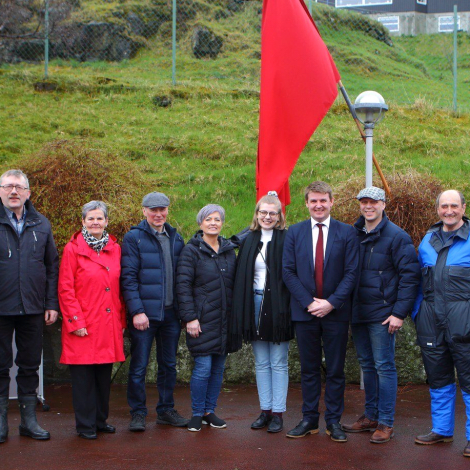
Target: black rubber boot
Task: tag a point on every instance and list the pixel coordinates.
(29, 425)
(3, 419)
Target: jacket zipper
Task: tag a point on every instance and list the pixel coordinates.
(370, 256)
(35, 240)
(8, 244)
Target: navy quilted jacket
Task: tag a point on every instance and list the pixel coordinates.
(143, 270)
(389, 273)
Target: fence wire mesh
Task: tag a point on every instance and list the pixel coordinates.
(220, 39)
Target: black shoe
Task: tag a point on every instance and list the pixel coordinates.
(29, 426)
(195, 423)
(303, 428)
(276, 424)
(214, 421)
(137, 423)
(87, 435)
(335, 431)
(171, 416)
(263, 420)
(107, 429)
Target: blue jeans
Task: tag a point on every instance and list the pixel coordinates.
(272, 372)
(206, 382)
(375, 348)
(166, 333)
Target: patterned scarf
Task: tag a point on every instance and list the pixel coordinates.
(93, 242)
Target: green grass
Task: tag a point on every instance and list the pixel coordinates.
(202, 148)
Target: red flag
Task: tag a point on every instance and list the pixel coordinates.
(298, 86)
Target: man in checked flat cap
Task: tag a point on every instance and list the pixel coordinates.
(150, 253)
(387, 285)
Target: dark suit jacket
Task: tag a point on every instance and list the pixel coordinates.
(339, 272)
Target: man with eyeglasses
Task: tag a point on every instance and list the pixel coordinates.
(29, 270)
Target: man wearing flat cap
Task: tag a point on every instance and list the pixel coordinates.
(387, 285)
(150, 254)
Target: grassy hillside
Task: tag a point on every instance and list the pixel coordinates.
(203, 147)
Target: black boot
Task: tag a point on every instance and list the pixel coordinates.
(3, 419)
(29, 425)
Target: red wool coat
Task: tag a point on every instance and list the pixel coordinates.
(89, 297)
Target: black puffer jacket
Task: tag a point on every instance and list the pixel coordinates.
(29, 265)
(204, 286)
(389, 273)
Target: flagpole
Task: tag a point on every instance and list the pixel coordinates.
(359, 126)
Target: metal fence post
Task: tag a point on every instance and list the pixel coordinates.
(310, 7)
(173, 45)
(46, 41)
(455, 57)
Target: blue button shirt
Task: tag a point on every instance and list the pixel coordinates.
(17, 224)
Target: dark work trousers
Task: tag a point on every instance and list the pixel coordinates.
(91, 386)
(310, 336)
(28, 337)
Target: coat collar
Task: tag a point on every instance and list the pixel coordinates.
(373, 234)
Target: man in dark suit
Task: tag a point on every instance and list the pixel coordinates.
(320, 261)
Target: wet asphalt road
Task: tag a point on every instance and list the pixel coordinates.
(236, 447)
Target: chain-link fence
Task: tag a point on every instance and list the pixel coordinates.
(182, 40)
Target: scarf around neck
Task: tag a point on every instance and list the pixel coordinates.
(93, 242)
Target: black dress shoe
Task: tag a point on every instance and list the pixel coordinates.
(263, 420)
(335, 431)
(87, 435)
(276, 424)
(107, 429)
(303, 428)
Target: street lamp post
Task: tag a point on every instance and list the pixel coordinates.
(370, 108)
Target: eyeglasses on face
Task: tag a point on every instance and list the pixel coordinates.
(266, 213)
(9, 188)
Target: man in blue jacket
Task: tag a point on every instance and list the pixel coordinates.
(319, 269)
(150, 254)
(442, 315)
(385, 293)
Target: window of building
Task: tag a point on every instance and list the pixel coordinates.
(422, 2)
(360, 3)
(392, 23)
(446, 24)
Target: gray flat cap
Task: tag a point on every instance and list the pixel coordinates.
(155, 200)
(372, 192)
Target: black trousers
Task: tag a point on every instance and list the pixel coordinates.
(333, 337)
(91, 386)
(28, 337)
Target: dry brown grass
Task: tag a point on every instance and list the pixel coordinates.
(411, 207)
(66, 174)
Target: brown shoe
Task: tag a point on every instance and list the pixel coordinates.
(362, 424)
(466, 451)
(432, 438)
(382, 434)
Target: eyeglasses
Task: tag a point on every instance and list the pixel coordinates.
(266, 213)
(9, 188)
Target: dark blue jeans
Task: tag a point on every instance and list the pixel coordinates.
(375, 348)
(206, 381)
(166, 333)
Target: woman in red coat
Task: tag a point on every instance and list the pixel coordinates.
(93, 318)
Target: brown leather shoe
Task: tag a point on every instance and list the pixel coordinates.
(382, 434)
(432, 438)
(362, 424)
(466, 451)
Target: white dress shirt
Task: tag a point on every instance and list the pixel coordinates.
(326, 229)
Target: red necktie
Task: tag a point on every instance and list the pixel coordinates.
(319, 262)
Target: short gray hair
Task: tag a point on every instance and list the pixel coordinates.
(208, 210)
(93, 206)
(462, 197)
(17, 174)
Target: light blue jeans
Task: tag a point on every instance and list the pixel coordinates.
(272, 372)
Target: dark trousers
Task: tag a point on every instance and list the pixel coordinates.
(166, 333)
(334, 336)
(28, 338)
(91, 385)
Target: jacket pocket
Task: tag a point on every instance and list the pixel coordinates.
(426, 341)
(428, 279)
